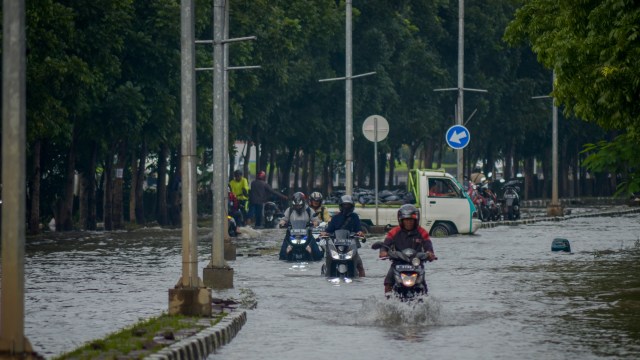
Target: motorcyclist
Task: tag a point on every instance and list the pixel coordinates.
(240, 188)
(348, 220)
(408, 234)
(298, 211)
(320, 213)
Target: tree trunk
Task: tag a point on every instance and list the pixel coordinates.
(247, 159)
(161, 202)
(34, 215)
(134, 182)
(173, 191)
(64, 222)
(139, 188)
(118, 188)
(107, 212)
(392, 168)
(88, 217)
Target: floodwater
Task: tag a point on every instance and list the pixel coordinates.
(500, 294)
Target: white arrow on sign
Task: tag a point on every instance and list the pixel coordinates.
(455, 137)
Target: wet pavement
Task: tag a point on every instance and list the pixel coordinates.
(499, 294)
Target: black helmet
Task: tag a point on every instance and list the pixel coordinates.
(346, 204)
(408, 211)
(298, 201)
(238, 172)
(316, 196)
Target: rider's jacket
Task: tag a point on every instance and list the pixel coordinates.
(417, 239)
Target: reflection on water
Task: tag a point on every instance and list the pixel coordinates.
(501, 294)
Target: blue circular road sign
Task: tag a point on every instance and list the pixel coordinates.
(458, 137)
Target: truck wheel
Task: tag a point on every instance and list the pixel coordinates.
(441, 230)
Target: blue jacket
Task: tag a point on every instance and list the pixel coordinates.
(339, 220)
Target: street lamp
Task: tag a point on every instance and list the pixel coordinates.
(554, 208)
(349, 102)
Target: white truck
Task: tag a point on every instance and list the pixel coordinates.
(445, 207)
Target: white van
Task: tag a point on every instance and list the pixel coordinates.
(445, 207)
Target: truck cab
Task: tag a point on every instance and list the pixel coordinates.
(445, 207)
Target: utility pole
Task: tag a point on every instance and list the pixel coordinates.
(218, 274)
(13, 343)
(460, 89)
(554, 208)
(189, 297)
(348, 101)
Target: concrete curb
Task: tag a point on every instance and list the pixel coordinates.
(573, 201)
(492, 224)
(205, 342)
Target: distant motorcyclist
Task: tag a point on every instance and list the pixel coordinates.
(298, 211)
(348, 220)
(240, 188)
(320, 212)
(408, 234)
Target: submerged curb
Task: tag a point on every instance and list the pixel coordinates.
(492, 224)
(205, 342)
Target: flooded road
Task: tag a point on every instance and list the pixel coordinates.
(500, 294)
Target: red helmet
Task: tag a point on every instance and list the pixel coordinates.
(261, 175)
(408, 211)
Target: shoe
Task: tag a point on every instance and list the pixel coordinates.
(361, 271)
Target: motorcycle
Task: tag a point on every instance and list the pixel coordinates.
(271, 215)
(511, 200)
(298, 241)
(491, 202)
(341, 248)
(478, 201)
(408, 272)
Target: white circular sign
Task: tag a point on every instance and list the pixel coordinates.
(375, 128)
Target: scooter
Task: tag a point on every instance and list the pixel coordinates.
(298, 241)
(408, 272)
(511, 200)
(341, 248)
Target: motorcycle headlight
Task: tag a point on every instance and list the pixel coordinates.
(348, 255)
(335, 255)
(408, 280)
(415, 261)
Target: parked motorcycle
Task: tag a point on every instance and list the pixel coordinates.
(491, 202)
(478, 201)
(511, 200)
(341, 248)
(298, 241)
(408, 271)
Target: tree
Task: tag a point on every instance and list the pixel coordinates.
(593, 48)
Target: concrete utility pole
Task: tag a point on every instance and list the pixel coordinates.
(189, 297)
(554, 208)
(218, 274)
(460, 89)
(13, 343)
(348, 101)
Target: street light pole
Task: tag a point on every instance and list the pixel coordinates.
(348, 100)
(554, 208)
(460, 108)
(13, 343)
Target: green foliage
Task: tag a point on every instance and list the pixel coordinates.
(593, 48)
(138, 337)
(618, 157)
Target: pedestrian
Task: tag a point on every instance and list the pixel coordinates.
(259, 194)
(240, 188)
